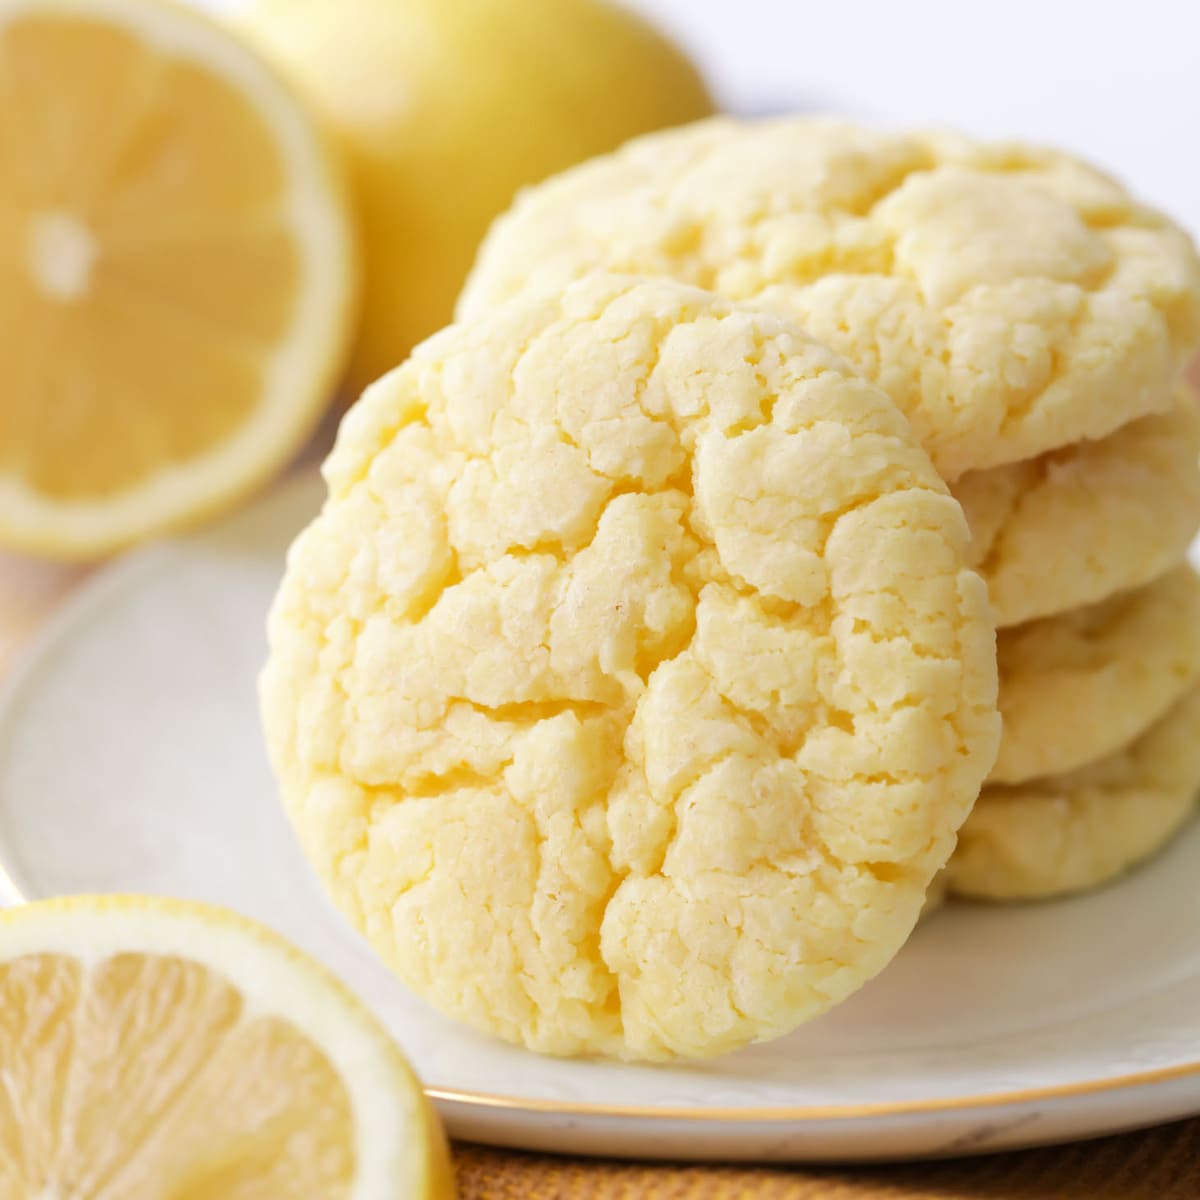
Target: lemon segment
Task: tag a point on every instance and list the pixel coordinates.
(177, 272)
(153, 1048)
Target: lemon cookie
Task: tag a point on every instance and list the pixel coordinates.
(1076, 525)
(1076, 687)
(1011, 300)
(631, 687)
(1077, 831)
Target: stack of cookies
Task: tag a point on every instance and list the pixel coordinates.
(633, 684)
(640, 677)
(1032, 321)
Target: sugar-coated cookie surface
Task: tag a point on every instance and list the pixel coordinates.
(1079, 524)
(631, 687)
(1076, 687)
(1010, 299)
(1071, 832)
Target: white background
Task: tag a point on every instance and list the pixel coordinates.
(1115, 80)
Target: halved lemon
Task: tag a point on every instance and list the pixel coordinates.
(158, 1050)
(178, 273)
(445, 108)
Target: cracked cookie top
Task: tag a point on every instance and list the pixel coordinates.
(631, 687)
(1010, 299)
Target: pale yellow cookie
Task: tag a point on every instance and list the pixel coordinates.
(1011, 300)
(631, 687)
(1077, 831)
(1074, 526)
(1076, 687)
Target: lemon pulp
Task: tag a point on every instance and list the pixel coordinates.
(176, 271)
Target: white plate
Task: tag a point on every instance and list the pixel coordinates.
(130, 760)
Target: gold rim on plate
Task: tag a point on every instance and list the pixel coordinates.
(833, 1112)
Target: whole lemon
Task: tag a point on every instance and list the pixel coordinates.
(445, 108)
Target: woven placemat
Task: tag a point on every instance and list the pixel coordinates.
(1156, 1164)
